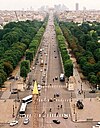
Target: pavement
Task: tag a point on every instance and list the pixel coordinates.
(90, 112)
(8, 110)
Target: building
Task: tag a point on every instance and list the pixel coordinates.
(77, 6)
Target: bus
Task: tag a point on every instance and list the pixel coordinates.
(27, 99)
(41, 63)
(22, 109)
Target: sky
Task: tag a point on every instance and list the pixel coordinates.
(35, 4)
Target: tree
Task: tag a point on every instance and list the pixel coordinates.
(24, 68)
(29, 55)
(68, 66)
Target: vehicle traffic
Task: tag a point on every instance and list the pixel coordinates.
(27, 99)
(22, 109)
(62, 77)
(26, 121)
(56, 121)
(13, 123)
(41, 63)
(65, 116)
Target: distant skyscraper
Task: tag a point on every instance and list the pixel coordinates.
(77, 6)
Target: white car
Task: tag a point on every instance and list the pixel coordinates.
(26, 121)
(39, 87)
(65, 116)
(98, 123)
(13, 123)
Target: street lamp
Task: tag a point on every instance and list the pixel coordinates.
(74, 108)
(18, 96)
(81, 87)
(84, 95)
(43, 116)
(75, 116)
(13, 115)
(15, 104)
(71, 96)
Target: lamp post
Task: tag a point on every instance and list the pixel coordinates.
(43, 116)
(71, 96)
(81, 87)
(10, 87)
(15, 104)
(84, 95)
(74, 108)
(13, 115)
(75, 116)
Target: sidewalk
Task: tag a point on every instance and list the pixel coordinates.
(8, 110)
(90, 112)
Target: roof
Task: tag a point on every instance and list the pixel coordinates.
(35, 89)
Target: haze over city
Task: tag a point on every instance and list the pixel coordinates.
(35, 4)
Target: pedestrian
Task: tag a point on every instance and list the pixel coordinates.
(61, 106)
(53, 80)
(50, 110)
(56, 113)
(58, 106)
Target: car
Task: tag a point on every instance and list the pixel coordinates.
(13, 123)
(57, 94)
(14, 92)
(56, 78)
(56, 121)
(79, 104)
(98, 123)
(26, 121)
(65, 116)
(39, 87)
(50, 100)
(11, 77)
(92, 91)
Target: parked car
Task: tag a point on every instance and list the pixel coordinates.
(14, 91)
(56, 121)
(26, 121)
(79, 104)
(92, 91)
(10, 78)
(13, 123)
(65, 116)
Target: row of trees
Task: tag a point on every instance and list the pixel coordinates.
(14, 40)
(83, 40)
(68, 65)
(31, 51)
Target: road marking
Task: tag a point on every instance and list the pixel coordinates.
(57, 100)
(54, 115)
(54, 86)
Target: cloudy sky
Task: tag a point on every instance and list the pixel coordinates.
(27, 4)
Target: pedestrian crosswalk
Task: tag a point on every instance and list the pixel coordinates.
(54, 86)
(46, 115)
(53, 115)
(57, 100)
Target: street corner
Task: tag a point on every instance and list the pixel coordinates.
(9, 109)
(89, 112)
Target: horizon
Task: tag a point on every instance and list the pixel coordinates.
(34, 5)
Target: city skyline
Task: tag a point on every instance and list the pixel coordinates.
(33, 5)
